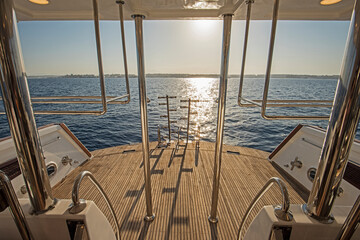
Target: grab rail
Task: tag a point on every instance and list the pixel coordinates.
(121, 14)
(79, 204)
(103, 99)
(275, 103)
(351, 223)
(15, 208)
(280, 212)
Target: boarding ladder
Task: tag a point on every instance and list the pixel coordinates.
(165, 140)
(189, 130)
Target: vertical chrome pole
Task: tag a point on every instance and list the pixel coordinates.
(247, 26)
(143, 112)
(341, 130)
(122, 28)
(17, 104)
(99, 55)
(15, 208)
(221, 115)
(270, 56)
(351, 223)
(168, 117)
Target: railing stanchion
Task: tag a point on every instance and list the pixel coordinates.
(15, 208)
(121, 3)
(341, 130)
(143, 113)
(351, 223)
(18, 108)
(221, 116)
(270, 56)
(248, 2)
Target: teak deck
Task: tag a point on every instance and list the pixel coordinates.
(181, 189)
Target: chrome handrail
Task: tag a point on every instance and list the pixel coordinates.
(351, 223)
(341, 130)
(247, 25)
(15, 208)
(121, 15)
(19, 111)
(220, 116)
(278, 102)
(104, 100)
(143, 100)
(79, 204)
(282, 212)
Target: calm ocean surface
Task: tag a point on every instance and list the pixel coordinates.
(121, 124)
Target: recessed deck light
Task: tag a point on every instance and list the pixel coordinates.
(41, 2)
(329, 2)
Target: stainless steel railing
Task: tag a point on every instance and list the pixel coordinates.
(15, 208)
(221, 116)
(102, 99)
(122, 28)
(150, 216)
(341, 130)
(79, 204)
(280, 212)
(351, 223)
(19, 112)
(279, 103)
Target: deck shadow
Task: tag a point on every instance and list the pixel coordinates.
(137, 194)
(133, 226)
(174, 155)
(153, 156)
(175, 190)
(144, 230)
(132, 193)
(214, 231)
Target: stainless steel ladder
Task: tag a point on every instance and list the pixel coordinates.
(170, 131)
(189, 123)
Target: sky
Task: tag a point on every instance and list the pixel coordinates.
(301, 47)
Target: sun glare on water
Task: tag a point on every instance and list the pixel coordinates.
(202, 92)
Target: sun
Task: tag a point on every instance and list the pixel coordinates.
(205, 27)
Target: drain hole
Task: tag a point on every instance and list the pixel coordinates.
(127, 151)
(233, 152)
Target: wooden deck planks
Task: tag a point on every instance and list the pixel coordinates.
(181, 189)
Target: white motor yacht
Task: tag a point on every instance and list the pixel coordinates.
(52, 187)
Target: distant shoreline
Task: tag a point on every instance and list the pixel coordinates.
(180, 75)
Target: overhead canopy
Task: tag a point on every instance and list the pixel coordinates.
(182, 9)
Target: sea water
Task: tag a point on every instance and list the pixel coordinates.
(121, 124)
